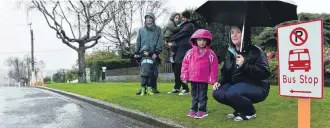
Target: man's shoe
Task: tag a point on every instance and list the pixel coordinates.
(174, 91)
(154, 90)
(184, 92)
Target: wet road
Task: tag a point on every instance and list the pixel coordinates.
(36, 108)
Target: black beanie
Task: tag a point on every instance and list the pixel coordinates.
(186, 14)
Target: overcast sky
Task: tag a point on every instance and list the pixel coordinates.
(15, 36)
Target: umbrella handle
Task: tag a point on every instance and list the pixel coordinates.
(242, 38)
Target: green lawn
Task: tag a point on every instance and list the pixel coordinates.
(274, 112)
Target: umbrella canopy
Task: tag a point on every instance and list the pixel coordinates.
(255, 13)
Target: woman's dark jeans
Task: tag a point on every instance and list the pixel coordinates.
(240, 96)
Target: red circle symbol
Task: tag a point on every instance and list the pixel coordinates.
(298, 36)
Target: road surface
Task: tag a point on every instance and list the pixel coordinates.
(36, 108)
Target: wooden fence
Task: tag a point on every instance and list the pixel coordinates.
(164, 68)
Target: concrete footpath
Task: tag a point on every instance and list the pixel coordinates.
(143, 117)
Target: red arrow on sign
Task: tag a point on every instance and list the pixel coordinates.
(294, 91)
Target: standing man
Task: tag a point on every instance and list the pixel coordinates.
(150, 35)
(181, 39)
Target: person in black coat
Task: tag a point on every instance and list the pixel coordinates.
(181, 39)
(244, 77)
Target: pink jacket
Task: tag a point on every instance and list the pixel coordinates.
(200, 67)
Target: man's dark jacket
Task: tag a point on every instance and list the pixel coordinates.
(182, 39)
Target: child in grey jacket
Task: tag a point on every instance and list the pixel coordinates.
(171, 28)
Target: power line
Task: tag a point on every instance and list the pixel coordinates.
(54, 50)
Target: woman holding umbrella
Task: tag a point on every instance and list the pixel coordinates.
(244, 76)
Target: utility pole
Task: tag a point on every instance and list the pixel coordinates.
(33, 73)
(28, 72)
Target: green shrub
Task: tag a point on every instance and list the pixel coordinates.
(273, 65)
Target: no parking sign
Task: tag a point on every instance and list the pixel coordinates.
(298, 36)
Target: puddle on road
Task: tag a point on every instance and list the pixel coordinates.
(67, 116)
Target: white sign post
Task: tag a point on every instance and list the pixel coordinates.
(103, 73)
(301, 66)
(88, 75)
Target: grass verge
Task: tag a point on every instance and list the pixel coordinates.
(274, 112)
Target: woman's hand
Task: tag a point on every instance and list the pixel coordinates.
(216, 85)
(170, 44)
(239, 59)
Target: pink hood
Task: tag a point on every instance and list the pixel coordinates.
(200, 67)
(201, 33)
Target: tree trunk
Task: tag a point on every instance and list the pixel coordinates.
(81, 64)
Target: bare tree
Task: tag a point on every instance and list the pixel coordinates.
(17, 69)
(27, 68)
(78, 24)
(156, 7)
(120, 31)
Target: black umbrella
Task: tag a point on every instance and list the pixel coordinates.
(253, 13)
(256, 13)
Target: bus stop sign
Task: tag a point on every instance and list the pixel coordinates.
(300, 65)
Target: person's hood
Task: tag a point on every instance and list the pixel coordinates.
(154, 22)
(201, 33)
(151, 15)
(173, 15)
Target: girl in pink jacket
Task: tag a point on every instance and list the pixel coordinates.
(200, 67)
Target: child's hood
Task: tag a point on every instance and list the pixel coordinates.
(173, 15)
(201, 33)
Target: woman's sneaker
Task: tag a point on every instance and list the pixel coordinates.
(191, 114)
(201, 115)
(245, 117)
(233, 115)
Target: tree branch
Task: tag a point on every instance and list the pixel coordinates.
(87, 47)
(67, 21)
(74, 7)
(88, 19)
